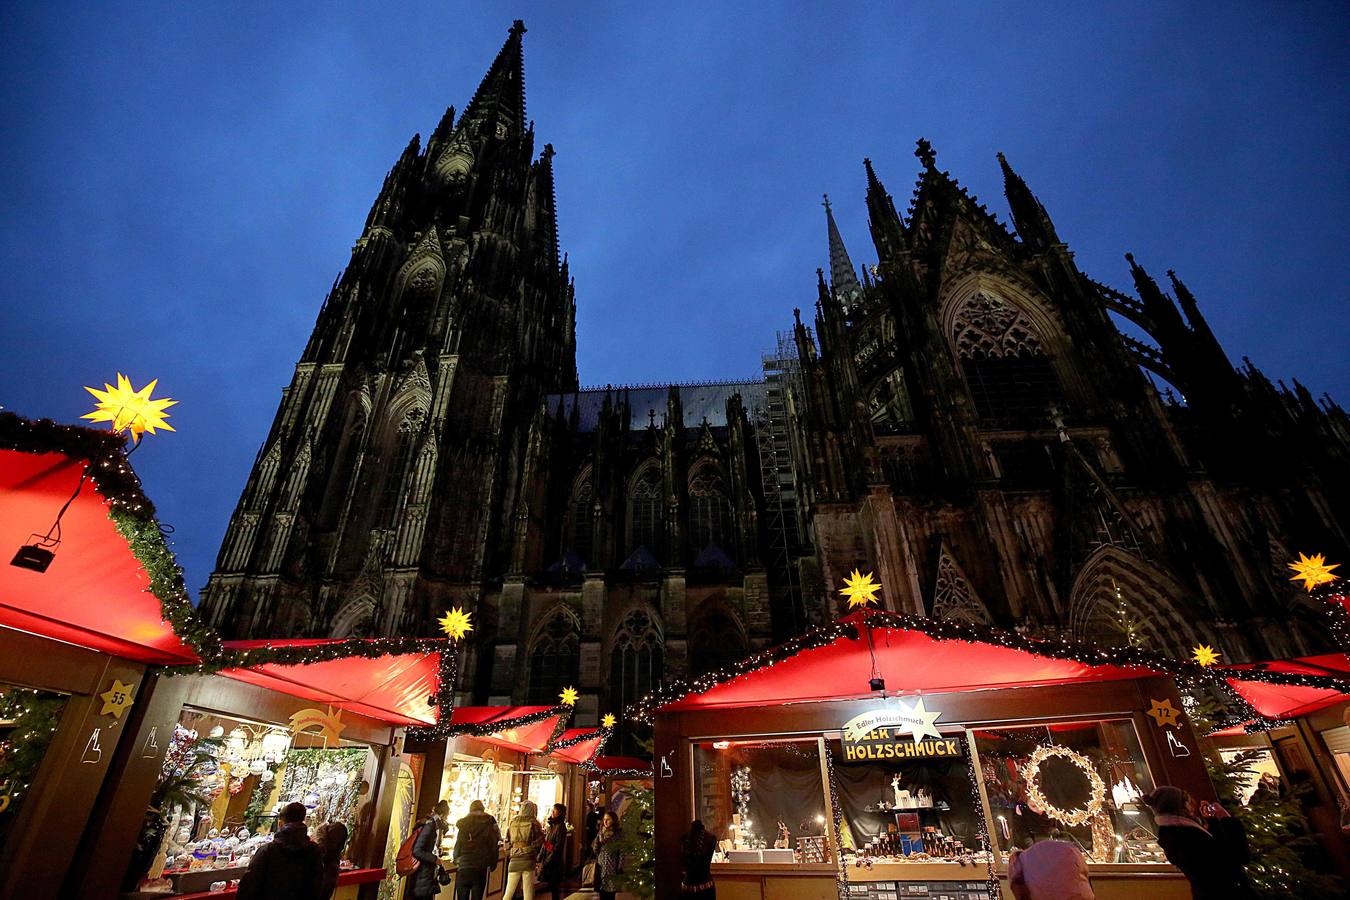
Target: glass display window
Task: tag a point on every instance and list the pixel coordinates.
(1081, 782)
(545, 789)
(1259, 771)
(469, 778)
(917, 809)
(227, 778)
(764, 800)
(28, 720)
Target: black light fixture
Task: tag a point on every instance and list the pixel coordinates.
(37, 555)
(877, 684)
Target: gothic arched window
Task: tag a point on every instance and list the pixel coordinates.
(1010, 375)
(580, 527)
(710, 515)
(644, 513)
(636, 659)
(715, 642)
(396, 467)
(555, 660)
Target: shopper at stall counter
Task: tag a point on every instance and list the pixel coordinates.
(1049, 870)
(697, 853)
(332, 838)
(608, 859)
(427, 880)
(553, 854)
(477, 844)
(288, 867)
(524, 837)
(1204, 842)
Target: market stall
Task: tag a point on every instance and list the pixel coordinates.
(885, 753)
(495, 754)
(89, 602)
(315, 722)
(1294, 740)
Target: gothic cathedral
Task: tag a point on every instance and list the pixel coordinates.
(970, 421)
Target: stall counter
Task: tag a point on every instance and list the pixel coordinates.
(816, 881)
(349, 883)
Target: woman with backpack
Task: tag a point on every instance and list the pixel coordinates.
(524, 837)
(426, 850)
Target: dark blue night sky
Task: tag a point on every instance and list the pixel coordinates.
(182, 182)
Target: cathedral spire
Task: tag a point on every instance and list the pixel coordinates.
(1028, 214)
(887, 229)
(843, 277)
(499, 103)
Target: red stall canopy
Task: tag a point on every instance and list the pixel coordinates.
(1287, 701)
(95, 593)
(909, 660)
(526, 729)
(392, 688)
(583, 744)
(622, 767)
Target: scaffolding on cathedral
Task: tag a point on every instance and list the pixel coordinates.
(778, 477)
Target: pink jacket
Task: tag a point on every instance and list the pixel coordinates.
(1050, 870)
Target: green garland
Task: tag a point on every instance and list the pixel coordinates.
(146, 540)
(105, 452)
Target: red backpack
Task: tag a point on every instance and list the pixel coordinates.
(405, 863)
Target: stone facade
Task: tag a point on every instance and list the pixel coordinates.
(968, 421)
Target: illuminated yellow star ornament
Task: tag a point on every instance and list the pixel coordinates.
(569, 696)
(860, 589)
(128, 409)
(1313, 570)
(607, 721)
(455, 624)
(1205, 655)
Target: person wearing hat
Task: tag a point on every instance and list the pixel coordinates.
(477, 844)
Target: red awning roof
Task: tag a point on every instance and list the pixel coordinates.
(392, 688)
(1287, 701)
(907, 659)
(526, 729)
(606, 765)
(588, 743)
(95, 593)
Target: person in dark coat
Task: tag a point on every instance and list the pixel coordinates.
(477, 845)
(332, 840)
(288, 867)
(608, 856)
(426, 881)
(553, 855)
(592, 826)
(1204, 842)
(697, 853)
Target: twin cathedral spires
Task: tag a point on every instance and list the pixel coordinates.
(967, 419)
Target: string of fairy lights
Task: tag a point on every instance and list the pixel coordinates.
(981, 829)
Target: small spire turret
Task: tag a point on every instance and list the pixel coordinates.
(887, 227)
(843, 277)
(1028, 214)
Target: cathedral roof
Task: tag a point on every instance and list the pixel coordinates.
(647, 402)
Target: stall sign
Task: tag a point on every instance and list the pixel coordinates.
(877, 733)
(878, 747)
